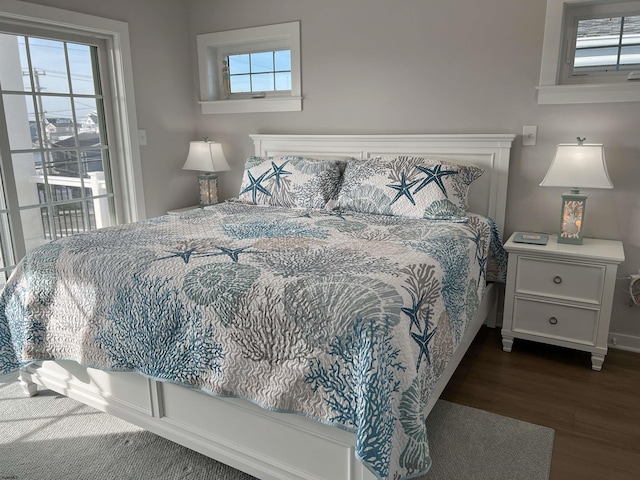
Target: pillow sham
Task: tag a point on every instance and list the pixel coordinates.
(290, 181)
(416, 187)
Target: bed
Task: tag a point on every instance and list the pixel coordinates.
(265, 288)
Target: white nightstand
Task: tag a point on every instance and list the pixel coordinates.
(561, 294)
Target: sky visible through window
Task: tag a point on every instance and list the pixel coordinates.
(260, 71)
(49, 67)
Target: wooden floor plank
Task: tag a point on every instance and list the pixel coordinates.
(579, 449)
(596, 415)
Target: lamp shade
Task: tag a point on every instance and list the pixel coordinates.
(578, 166)
(206, 156)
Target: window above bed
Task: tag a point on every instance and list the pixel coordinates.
(251, 69)
(590, 49)
(255, 73)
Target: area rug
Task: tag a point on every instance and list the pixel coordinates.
(51, 437)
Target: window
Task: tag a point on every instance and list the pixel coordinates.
(65, 160)
(259, 72)
(590, 48)
(58, 153)
(251, 70)
(607, 45)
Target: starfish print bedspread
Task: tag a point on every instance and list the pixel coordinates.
(348, 319)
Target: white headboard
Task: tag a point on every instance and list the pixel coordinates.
(488, 194)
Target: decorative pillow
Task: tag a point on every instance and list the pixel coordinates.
(290, 181)
(417, 187)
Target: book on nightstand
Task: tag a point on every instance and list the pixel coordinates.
(533, 238)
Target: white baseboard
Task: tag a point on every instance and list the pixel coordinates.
(620, 341)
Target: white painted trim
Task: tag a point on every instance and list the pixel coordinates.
(552, 43)
(550, 91)
(629, 343)
(116, 34)
(591, 93)
(254, 105)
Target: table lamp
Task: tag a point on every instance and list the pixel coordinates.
(207, 157)
(576, 166)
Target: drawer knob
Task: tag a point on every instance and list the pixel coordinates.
(553, 320)
(557, 279)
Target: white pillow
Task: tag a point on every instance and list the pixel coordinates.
(290, 181)
(417, 187)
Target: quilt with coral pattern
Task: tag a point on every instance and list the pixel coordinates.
(346, 318)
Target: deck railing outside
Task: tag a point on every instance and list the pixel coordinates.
(67, 215)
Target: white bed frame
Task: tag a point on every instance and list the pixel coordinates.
(268, 445)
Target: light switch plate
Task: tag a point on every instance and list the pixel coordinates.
(529, 134)
(142, 137)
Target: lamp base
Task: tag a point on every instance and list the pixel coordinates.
(572, 217)
(208, 183)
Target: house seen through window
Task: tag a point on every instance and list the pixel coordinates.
(607, 44)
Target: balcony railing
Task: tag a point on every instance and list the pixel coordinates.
(68, 218)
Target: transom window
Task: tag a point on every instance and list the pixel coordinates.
(607, 44)
(601, 42)
(260, 72)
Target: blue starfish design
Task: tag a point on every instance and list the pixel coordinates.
(434, 175)
(278, 171)
(483, 268)
(412, 312)
(185, 255)
(403, 189)
(477, 238)
(232, 252)
(423, 342)
(255, 186)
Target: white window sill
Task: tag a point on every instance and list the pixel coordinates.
(253, 105)
(592, 93)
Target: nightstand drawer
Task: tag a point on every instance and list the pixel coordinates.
(570, 281)
(564, 322)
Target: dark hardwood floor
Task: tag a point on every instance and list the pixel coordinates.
(596, 415)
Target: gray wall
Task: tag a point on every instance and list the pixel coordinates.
(384, 66)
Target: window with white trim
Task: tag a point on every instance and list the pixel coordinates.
(253, 69)
(591, 52)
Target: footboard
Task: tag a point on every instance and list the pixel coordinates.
(265, 444)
